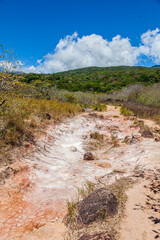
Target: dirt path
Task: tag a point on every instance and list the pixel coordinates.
(141, 221)
(33, 198)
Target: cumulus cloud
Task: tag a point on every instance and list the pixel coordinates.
(93, 50)
(151, 41)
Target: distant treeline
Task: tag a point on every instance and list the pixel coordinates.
(95, 79)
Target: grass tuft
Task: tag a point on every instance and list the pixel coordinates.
(124, 111)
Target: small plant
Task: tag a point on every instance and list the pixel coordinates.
(71, 210)
(139, 122)
(97, 141)
(99, 107)
(126, 112)
(88, 188)
(114, 141)
(97, 136)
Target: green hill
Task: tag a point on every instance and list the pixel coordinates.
(95, 79)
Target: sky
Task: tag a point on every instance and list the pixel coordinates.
(57, 35)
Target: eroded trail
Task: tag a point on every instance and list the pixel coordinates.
(33, 198)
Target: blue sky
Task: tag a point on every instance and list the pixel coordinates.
(34, 28)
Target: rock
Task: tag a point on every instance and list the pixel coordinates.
(88, 156)
(157, 130)
(84, 136)
(83, 110)
(27, 144)
(134, 139)
(104, 165)
(141, 122)
(101, 117)
(132, 118)
(7, 173)
(73, 149)
(97, 236)
(137, 135)
(157, 139)
(114, 128)
(100, 204)
(119, 171)
(127, 139)
(132, 126)
(48, 116)
(93, 115)
(146, 133)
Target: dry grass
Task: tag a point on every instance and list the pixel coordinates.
(21, 116)
(96, 141)
(82, 193)
(114, 141)
(97, 136)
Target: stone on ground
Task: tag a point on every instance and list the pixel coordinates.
(98, 205)
(88, 156)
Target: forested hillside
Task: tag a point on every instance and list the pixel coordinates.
(95, 79)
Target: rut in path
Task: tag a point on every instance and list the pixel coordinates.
(33, 200)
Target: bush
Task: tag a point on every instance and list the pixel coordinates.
(126, 112)
(99, 107)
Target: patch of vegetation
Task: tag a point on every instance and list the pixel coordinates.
(97, 136)
(110, 225)
(124, 111)
(87, 188)
(99, 107)
(96, 141)
(114, 141)
(71, 212)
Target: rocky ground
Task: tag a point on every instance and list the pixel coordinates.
(34, 189)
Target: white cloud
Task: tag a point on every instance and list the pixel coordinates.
(151, 41)
(93, 50)
(39, 61)
(30, 69)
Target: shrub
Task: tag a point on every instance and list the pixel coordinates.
(97, 136)
(99, 107)
(126, 112)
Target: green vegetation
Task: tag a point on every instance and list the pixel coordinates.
(126, 112)
(94, 79)
(97, 136)
(99, 107)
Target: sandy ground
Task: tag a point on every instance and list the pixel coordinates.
(136, 225)
(34, 194)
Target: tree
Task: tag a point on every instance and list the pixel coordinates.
(9, 64)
